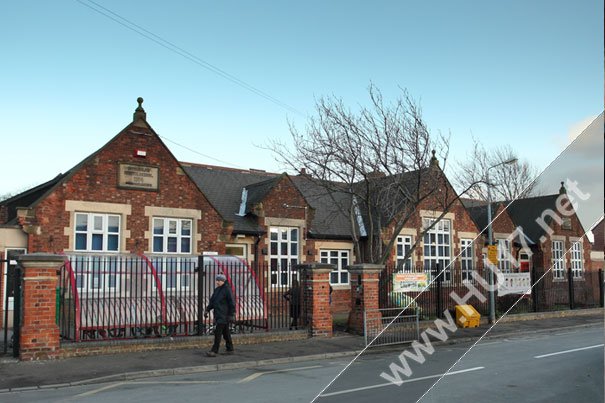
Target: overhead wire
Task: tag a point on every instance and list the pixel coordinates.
(184, 53)
(202, 154)
(104, 11)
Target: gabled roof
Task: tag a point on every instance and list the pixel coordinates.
(525, 212)
(258, 191)
(394, 192)
(469, 203)
(223, 188)
(28, 197)
(32, 197)
(330, 220)
(478, 214)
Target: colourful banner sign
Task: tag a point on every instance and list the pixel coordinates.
(409, 282)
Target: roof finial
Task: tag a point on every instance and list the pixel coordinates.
(562, 189)
(434, 160)
(139, 113)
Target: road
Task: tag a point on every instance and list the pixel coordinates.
(543, 367)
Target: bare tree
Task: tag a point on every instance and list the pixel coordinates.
(508, 181)
(375, 164)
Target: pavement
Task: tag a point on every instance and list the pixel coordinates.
(16, 375)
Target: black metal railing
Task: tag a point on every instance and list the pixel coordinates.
(10, 290)
(547, 294)
(439, 295)
(105, 297)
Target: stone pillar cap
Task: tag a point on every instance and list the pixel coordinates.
(41, 258)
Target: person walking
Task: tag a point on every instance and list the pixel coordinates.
(223, 304)
(293, 296)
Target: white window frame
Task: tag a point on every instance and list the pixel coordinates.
(339, 258)
(282, 260)
(404, 244)
(577, 259)
(166, 235)
(504, 256)
(97, 273)
(243, 246)
(93, 231)
(467, 259)
(558, 261)
(175, 272)
(438, 249)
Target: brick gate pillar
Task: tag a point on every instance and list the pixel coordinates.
(39, 338)
(364, 296)
(316, 285)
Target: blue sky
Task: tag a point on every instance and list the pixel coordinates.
(524, 73)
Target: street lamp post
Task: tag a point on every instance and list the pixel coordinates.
(490, 239)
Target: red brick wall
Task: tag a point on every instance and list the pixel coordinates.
(599, 236)
(502, 222)
(368, 299)
(39, 336)
(285, 193)
(576, 231)
(3, 214)
(274, 205)
(462, 223)
(341, 301)
(317, 296)
(96, 181)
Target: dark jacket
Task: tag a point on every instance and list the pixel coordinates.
(294, 296)
(223, 303)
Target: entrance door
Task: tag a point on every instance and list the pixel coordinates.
(524, 262)
(9, 278)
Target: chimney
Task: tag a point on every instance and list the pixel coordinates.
(303, 171)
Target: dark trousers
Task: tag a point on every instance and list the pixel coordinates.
(294, 314)
(222, 329)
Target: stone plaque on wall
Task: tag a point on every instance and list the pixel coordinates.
(134, 176)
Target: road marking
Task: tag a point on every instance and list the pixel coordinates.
(95, 391)
(569, 351)
(115, 385)
(381, 385)
(172, 382)
(258, 374)
(489, 343)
